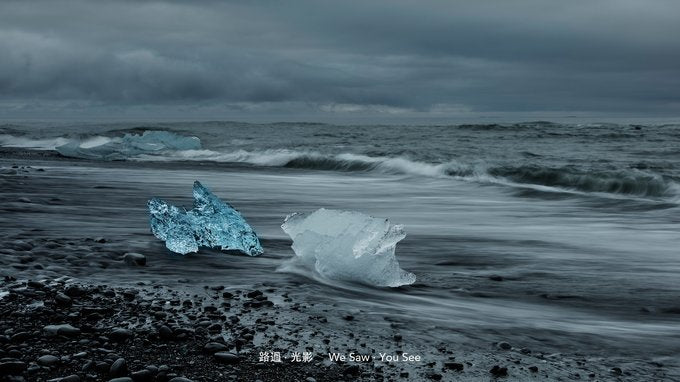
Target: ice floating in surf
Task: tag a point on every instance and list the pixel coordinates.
(130, 145)
(211, 223)
(348, 245)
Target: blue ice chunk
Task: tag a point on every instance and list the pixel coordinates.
(129, 145)
(211, 223)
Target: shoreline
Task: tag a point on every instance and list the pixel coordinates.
(61, 330)
(54, 234)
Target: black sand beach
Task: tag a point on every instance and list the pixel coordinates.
(71, 232)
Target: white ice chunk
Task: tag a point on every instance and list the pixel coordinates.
(349, 246)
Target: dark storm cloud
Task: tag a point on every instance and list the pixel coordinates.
(342, 56)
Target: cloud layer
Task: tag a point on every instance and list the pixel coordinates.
(384, 57)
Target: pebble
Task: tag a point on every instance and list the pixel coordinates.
(61, 330)
(62, 299)
(48, 360)
(120, 335)
(12, 367)
(504, 346)
(254, 294)
(20, 337)
(121, 379)
(180, 379)
(165, 333)
(352, 370)
(133, 258)
(225, 357)
(457, 366)
(118, 368)
(142, 376)
(35, 284)
(214, 347)
(75, 291)
(498, 371)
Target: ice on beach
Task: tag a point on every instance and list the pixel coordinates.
(128, 146)
(348, 245)
(211, 223)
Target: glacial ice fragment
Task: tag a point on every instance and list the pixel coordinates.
(348, 245)
(130, 145)
(211, 223)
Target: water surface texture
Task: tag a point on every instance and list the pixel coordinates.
(563, 237)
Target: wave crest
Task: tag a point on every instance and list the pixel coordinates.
(620, 182)
(633, 182)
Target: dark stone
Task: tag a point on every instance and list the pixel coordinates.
(48, 360)
(35, 284)
(533, 369)
(62, 299)
(20, 337)
(352, 370)
(495, 278)
(225, 357)
(214, 347)
(88, 365)
(75, 291)
(504, 346)
(254, 294)
(62, 330)
(120, 335)
(71, 378)
(165, 333)
(457, 366)
(142, 376)
(121, 379)
(348, 317)
(118, 368)
(180, 379)
(498, 371)
(12, 367)
(616, 371)
(133, 258)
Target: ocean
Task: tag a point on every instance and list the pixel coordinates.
(563, 238)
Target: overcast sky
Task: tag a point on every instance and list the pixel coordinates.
(310, 60)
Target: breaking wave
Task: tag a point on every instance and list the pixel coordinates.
(167, 146)
(312, 160)
(626, 182)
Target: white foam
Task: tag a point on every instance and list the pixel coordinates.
(7, 140)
